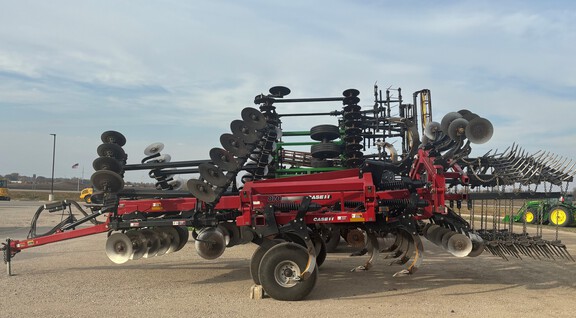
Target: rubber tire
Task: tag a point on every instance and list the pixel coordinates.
(324, 132)
(276, 256)
(332, 240)
(325, 150)
(563, 214)
(530, 216)
(87, 198)
(257, 257)
(321, 163)
(320, 253)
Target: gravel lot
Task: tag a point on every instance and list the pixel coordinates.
(75, 279)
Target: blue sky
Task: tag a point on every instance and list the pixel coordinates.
(179, 71)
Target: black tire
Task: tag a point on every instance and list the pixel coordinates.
(324, 132)
(281, 262)
(325, 150)
(321, 163)
(560, 216)
(321, 252)
(257, 258)
(331, 238)
(87, 198)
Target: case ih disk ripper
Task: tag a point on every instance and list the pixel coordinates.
(291, 203)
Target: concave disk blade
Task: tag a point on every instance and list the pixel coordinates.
(253, 118)
(223, 159)
(113, 137)
(106, 180)
(212, 174)
(201, 190)
(119, 248)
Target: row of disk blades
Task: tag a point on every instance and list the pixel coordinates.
(145, 243)
(252, 138)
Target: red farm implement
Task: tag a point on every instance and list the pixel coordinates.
(291, 203)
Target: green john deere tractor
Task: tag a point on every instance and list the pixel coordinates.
(561, 212)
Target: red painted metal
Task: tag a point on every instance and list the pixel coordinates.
(328, 189)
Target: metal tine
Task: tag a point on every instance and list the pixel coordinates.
(564, 172)
(396, 247)
(555, 250)
(534, 171)
(493, 247)
(512, 249)
(565, 166)
(536, 153)
(570, 175)
(526, 247)
(539, 248)
(544, 251)
(561, 250)
(486, 154)
(540, 155)
(409, 250)
(514, 151)
(559, 164)
(499, 251)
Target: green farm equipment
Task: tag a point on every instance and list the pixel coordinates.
(561, 212)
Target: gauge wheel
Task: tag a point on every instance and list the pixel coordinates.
(280, 271)
(257, 257)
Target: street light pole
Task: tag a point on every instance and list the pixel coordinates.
(51, 197)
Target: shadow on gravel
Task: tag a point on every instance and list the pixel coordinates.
(483, 274)
(439, 271)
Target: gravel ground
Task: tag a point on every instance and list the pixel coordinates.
(75, 279)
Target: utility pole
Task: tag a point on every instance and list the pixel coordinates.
(51, 196)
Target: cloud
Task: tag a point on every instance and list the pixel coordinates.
(179, 72)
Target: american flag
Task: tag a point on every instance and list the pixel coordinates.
(74, 166)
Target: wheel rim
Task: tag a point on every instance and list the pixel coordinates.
(285, 272)
(529, 217)
(558, 216)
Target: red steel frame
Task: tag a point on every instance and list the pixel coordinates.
(326, 189)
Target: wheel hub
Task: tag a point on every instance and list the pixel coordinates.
(286, 273)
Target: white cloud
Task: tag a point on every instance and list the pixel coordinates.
(180, 72)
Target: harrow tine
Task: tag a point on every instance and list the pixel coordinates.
(538, 250)
(525, 248)
(494, 248)
(417, 252)
(395, 250)
(373, 249)
(561, 248)
(401, 251)
(511, 249)
(410, 245)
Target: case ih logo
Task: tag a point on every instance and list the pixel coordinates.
(323, 219)
(320, 196)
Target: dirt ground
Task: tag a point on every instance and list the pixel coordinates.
(75, 279)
